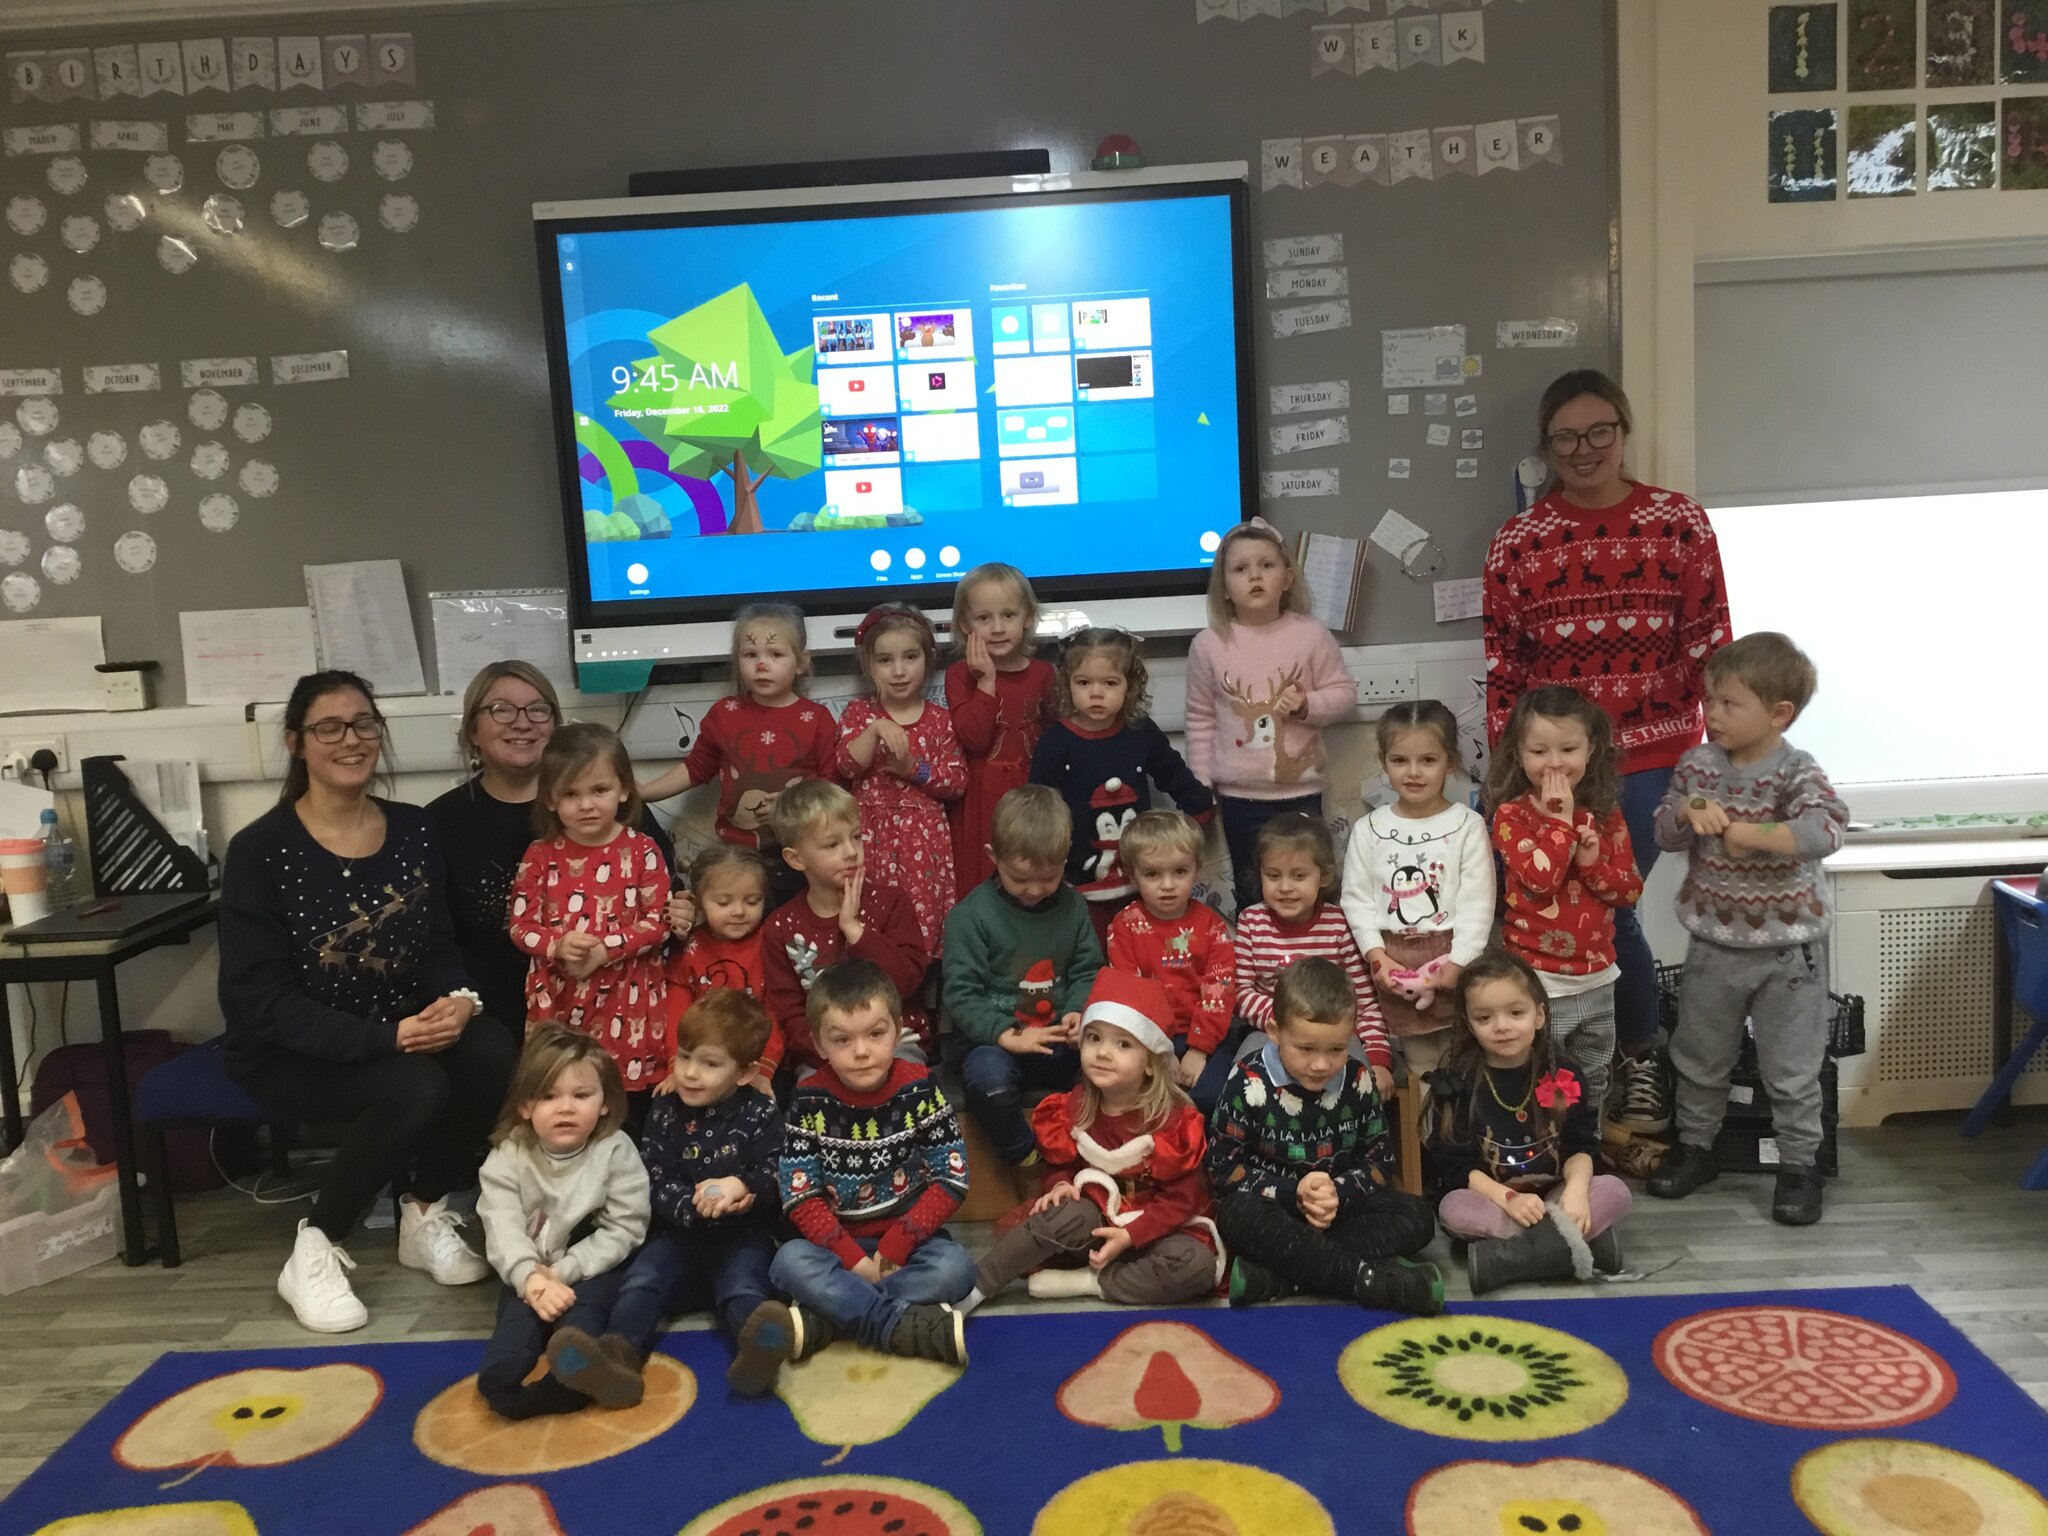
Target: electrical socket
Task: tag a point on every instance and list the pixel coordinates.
(15, 755)
(1385, 683)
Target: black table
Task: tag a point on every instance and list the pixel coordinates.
(95, 960)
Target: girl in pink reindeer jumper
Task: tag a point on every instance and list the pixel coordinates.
(1263, 680)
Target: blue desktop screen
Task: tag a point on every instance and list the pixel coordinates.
(885, 399)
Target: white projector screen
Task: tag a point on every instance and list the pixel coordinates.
(1923, 615)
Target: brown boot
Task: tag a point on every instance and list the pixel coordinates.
(606, 1369)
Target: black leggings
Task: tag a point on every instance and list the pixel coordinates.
(417, 1122)
(1388, 1225)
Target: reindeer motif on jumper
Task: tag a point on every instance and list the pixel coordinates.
(353, 946)
(1265, 727)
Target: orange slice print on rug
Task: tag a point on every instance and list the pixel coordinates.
(459, 1430)
(845, 1396)
(1169, 1377)
(839, 1506)
(1803, 1368)
(1559, 1497)
(1482, 1378)
(1190, 1497)
(1909, 1488)
(509, 1509)
(213, 1519)
(256, 1418)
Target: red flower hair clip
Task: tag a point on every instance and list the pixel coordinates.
(1560, 1090)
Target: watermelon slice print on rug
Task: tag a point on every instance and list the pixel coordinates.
(1482, 1378)
(459, 1430)
(1188, 1497)
(1909, 1488)
(1562, 1495)
(1803, 1368)
(838, 1506)
(256, 1418)
(845, 1396)
(509, 1509)
(211, 1519)
(1169, 1377)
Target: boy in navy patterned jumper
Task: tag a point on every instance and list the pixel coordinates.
(711, 1150)
(1755, 816)
(872, 1166)
(1299, 1158)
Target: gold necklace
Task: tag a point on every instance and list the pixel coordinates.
(1521, 1110)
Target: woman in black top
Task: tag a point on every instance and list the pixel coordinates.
(509, 712)
(347, 1001)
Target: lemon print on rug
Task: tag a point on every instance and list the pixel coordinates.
(839, 1506)
(1168, 1377)
(845, 1396)
(1183, 1497)
(459, 1430)
(214, 1519)
(1559, 1497)
(1910, 1488)
(1482, 1378)
(256, 1418)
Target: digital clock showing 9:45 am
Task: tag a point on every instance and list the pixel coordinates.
(668, 378)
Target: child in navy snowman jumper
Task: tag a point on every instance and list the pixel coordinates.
(1104, 755)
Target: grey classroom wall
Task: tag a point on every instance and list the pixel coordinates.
(438, 448)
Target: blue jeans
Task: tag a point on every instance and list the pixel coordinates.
(1242, 820)
(996, 1079)
(939, 1270)
(726, 1264)
(1209, 1086)
(520, 1338)
(1635, 994)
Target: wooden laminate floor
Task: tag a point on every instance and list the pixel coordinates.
(1916, 1204)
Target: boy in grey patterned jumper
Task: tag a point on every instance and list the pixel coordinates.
(1755, 817)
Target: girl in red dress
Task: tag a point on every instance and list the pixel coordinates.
(1000, 695)
(898, 754)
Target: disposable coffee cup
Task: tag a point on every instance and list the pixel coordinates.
(25, 877)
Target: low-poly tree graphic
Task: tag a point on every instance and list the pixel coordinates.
(721, 396)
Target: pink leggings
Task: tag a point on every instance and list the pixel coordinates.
(1468, 1214)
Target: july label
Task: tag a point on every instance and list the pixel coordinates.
(219, 372)
(1305, 251)
(122, 378)
(42, 139)
(375, 116)
(149, 138)
(31, 381)
(308, 367)
(208, 127)
(1292, 399)
(287, 122)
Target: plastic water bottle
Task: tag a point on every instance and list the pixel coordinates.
(60, 858)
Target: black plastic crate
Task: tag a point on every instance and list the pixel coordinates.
(1746, 1128)
(1845, 1029)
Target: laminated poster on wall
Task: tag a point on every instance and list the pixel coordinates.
(1803, 44)
(1962, 43)
(364, 623)
(243, 656)
(472, 629)
(1883, 152)
(1884, 37)
(47, 664)
(2023, 59)
(2025, 166)
(1420, 356)
(1962, 146)
(1803, 156)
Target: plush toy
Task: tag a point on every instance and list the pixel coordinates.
(1418, 986)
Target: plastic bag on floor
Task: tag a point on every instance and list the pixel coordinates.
(53, 1170)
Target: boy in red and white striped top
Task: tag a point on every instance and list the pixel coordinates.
(1297, 920)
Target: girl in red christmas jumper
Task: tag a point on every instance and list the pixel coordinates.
(1124, 1181)
(717, 923)
(1558, 828)
(587, 909)
(762, 739)
(898, 753)
(1001, 698)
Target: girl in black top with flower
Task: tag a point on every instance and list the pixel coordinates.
(1513, 1135)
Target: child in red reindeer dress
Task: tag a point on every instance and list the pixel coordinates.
(1123, 1152)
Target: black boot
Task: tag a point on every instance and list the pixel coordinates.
(767, 1339)
(607, 1369)
(1400, 1285)
(814, 1331)
(1534, 1253)
(1684, 1169)
(1606, 1250)
(931, 1331)
(1252, 1283)
(1797, 1199)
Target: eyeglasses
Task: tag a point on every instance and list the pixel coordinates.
(1600, 435)
(365, 727)
(539, 712)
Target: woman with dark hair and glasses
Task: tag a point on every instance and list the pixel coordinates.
(347, 1002)
(1613, 587)
(509, 712)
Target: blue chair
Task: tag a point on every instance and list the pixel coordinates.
(2023, 932)
(193, 1088)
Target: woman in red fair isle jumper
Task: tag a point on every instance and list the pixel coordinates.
(1612, 587)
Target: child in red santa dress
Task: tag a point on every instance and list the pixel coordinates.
(1125, 1187)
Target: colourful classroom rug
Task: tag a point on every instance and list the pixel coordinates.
(1852, 1412)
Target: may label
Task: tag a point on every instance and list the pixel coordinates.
(219, 372)
(211, 127)
(308, 367)
(122, 378)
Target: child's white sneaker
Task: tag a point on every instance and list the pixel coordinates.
(431, 1239)
(314, 1283)
(1063, 1284)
